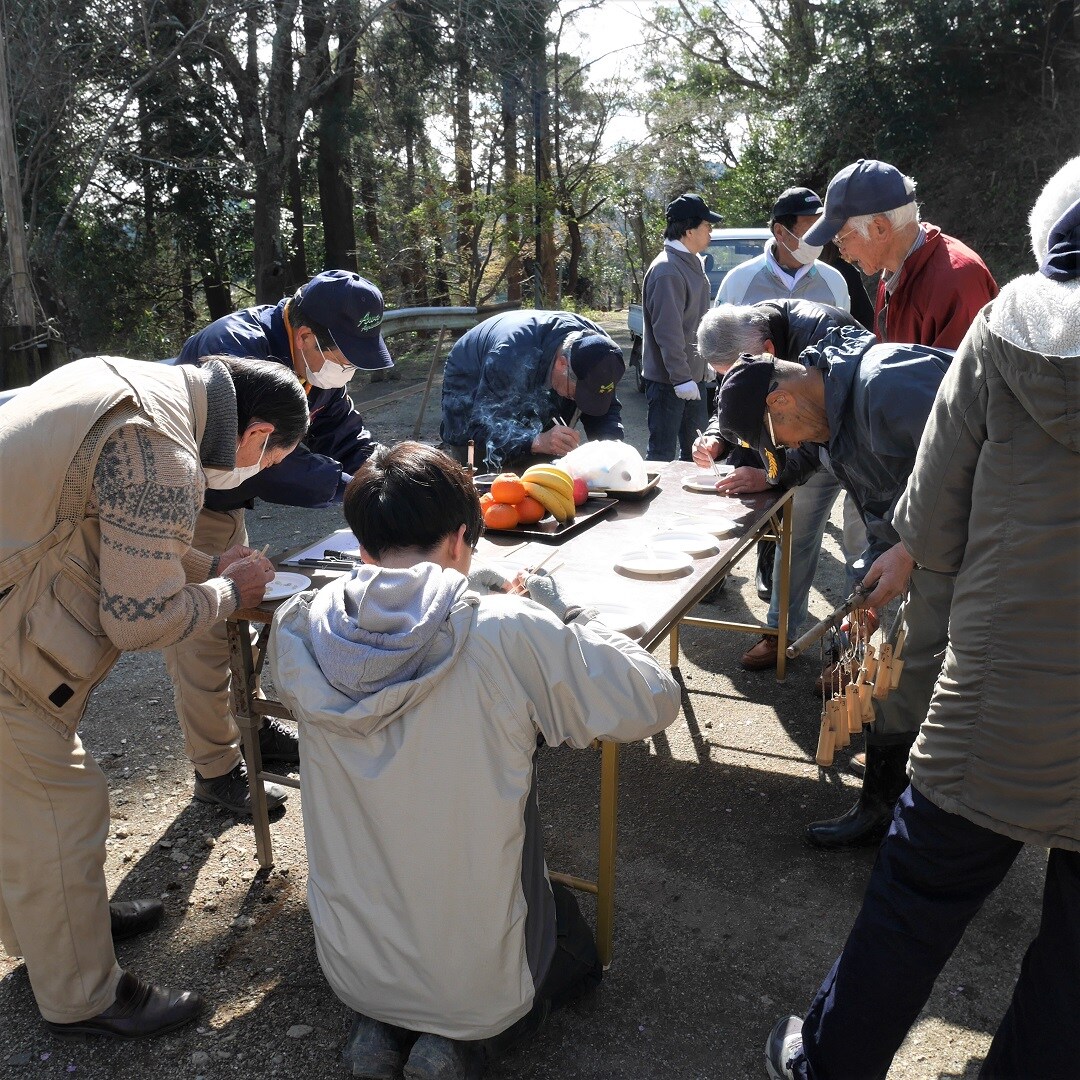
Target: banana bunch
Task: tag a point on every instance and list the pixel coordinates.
(553, 488)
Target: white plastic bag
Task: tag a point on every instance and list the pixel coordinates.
(606, 465)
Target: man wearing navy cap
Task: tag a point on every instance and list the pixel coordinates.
(931, 285)
(788, 268)
(862, 407)
(323, 333)
(674, 296)
(513, 383)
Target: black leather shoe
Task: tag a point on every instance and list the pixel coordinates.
(868, 820)
(131, 917)
(231, 791)
(140, 1009)
(278, 743)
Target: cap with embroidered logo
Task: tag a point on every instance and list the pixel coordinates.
(740, 405)
(797, 202)
(597, 364)
(351, 308)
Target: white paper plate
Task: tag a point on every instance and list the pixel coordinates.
(706, 481)
(285, 585)
(689, 542)
(618, 617)
(653, 562)
(713, 524)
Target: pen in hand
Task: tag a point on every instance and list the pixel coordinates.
(712, 461)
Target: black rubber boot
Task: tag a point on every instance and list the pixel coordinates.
(868, 820)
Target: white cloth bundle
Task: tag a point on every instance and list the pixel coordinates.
(606, 465)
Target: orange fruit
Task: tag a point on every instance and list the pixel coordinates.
(499, 515)
(529, 511)
(486, 500)
(507, 488)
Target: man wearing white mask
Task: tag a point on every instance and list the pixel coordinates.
(787, 269)
(323, 333)
(99, 560)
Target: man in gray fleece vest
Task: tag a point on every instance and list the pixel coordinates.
(674, 297)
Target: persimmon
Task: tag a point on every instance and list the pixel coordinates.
(499, 515)
(529, 511)
(508, 488)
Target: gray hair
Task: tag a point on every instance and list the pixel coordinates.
(898, 218)
(730, 330)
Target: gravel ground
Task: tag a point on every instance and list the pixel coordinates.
(725, 920)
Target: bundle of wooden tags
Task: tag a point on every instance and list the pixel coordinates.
(872, 676)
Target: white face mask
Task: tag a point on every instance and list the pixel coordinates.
(221, 479)
(803, 253)
(330, 376)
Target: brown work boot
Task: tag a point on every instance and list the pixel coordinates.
(762, 655)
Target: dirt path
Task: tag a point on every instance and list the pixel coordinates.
(724, 919)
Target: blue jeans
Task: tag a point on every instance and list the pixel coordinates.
(932, 874)
(673, 423)
(811, 505)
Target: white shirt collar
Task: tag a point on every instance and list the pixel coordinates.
(678, 245)
(789, 277)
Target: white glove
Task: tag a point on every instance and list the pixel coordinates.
(688, 391)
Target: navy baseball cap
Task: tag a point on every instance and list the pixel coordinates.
(865, 187)
(597, 364)
(690, 206)
(351, 308)
(797, 202)
(740, 404)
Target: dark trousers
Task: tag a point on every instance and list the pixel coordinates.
(932, 874)
(575, 969)
(673, 423)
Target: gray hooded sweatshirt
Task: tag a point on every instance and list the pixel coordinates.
(419, 704)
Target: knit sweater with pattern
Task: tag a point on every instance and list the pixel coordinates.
(147, 494)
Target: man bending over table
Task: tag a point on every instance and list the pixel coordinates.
(858, 409)
(419, 703)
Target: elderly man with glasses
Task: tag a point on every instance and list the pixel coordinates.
(931, 285)
(858, 408)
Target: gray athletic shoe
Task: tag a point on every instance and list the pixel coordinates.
(784, 1048)
(231, 791)
(435, 1057)
(374, 1050)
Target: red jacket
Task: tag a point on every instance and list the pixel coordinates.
(942, 287)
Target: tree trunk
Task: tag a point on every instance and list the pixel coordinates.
(514, 269)
(297, 262)
(333, 162)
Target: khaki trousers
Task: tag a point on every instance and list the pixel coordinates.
(54, 902)
(199, 666)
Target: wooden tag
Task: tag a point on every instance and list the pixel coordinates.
(837, 715)
(895, 668)
(866, 703)
(854, 711)
(898, 648)
(882, 677)
(824, 755)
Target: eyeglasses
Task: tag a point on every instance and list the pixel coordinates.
(841, 238)
(768, 422)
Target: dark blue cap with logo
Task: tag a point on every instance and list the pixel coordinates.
(597, 364)
(865, 187)
(740, 404)
(351, 308)
(797, 202)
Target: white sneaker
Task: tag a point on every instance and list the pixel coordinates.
(783, 1047)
